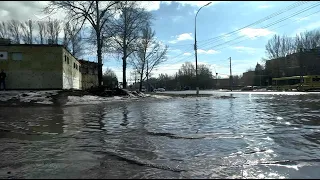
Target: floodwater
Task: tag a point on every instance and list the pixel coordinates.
(254, 135)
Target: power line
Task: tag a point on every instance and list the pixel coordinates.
(271, 29)
(269, 25)
(304, 10)
(259, 21)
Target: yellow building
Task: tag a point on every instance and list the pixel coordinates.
(39, 66)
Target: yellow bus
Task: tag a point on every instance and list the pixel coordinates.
(306, 83)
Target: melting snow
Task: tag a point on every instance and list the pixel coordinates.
(42, 97)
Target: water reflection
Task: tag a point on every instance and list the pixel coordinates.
(248, 136)
(30, 123)
(125, 113)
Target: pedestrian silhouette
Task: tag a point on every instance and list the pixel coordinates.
(3, 79)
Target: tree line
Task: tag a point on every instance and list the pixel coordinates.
(43, 32)
(184, 79)
(281, 46)
(121, 29)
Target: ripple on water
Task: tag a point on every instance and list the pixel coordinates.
(265, 137)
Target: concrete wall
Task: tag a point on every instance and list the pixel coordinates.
(89, 72)
(39, 67)
(71, 75)
(89, 81)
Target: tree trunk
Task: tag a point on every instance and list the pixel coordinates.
(140, 86)
(99, 54)
(124, 68)
(99, 45)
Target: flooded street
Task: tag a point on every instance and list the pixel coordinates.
(254, 135)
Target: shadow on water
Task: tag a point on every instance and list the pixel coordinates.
(39, 123)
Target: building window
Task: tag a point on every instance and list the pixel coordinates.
(74, 65)
(316, 79)
(65, 58)
(17, 56)
(3, 56)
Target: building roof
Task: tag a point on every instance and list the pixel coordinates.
(37, 45)
(88, 63)
(85, 61)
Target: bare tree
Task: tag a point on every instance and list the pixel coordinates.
(27, 31)
(308, 39)
(286, 46)
(279, 46)
(150, 53)
(4, 30)
(66, 27)
(53, 29)
(97, 13)
(42, 31)
(126, 28)
(15, 31)
(72, 39)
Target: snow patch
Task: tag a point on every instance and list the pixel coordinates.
(88, 99)
(42, 97)
(160, 97)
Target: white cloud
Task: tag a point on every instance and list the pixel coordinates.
(187, 54)
(166, 2)
(185, 36)
(198, 3)
(210, 51)
(182, 37)
(150, 5)
(264, 6)
(176, 18)
(253, 33)
(243, 49)
(174, 50)
(308, 27)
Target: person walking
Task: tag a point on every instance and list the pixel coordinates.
(3, 79)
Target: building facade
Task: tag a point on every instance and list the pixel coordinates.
(306, 62)
(248, 78)
(89, 71)
(39, 66)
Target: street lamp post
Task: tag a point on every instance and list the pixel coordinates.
(195, 46)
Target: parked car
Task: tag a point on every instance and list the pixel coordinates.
(161, 89)
(247, 88)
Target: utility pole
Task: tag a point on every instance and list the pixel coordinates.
(230, 76)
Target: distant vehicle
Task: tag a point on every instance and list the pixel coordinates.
(304, 83)
(186, 88)
(143, 90)
(247, 88)
(159, 90)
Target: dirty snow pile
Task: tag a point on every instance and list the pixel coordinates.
(160, 96)
(88, 99)
(41, 97)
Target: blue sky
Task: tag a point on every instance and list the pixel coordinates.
(174, 26)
